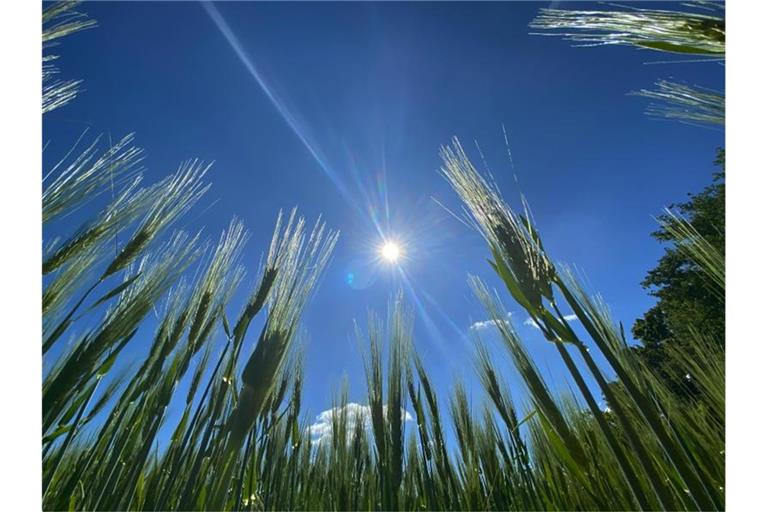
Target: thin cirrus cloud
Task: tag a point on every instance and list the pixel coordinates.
(322, 429)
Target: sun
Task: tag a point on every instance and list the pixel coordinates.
(390, 251)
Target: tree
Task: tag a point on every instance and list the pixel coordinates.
(687, 306)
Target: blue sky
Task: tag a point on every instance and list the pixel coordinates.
(361, 97)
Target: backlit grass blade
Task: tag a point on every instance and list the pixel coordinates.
(654, 29)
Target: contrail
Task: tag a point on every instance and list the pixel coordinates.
(284, 112)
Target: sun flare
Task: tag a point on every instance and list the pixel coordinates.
(390, 251)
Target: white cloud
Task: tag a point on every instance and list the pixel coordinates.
(531, 323)
(487, 324)
(322, 429)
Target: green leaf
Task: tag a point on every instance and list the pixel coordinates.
(225, 323)
(501, 269)
(115, 291)
(63, 429)
(664, 46)
(74, 407)
(104, 368)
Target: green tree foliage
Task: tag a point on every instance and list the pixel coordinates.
(685, 301)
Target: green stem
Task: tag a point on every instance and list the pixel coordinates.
(681, 463)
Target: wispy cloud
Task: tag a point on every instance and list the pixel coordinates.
(322, 429)
(487, 324)
(530, 323)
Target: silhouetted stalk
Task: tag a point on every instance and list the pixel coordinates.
(51, 473)
(626, 468)
(649, 412)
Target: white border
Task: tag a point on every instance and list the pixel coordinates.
(746, 336)
(747, 360)
(20, 255)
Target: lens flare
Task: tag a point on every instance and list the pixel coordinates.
(390, 252)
